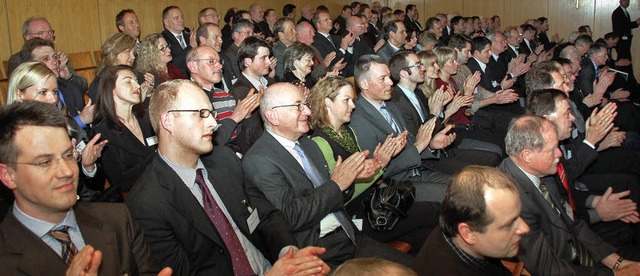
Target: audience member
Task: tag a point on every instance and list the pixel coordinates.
(372, 266)
(241, 30)
(210, 35)
(331, 44)
(155, 58)
(177, 36)
(285, 30)
(127, 23)
(395, 34)
(298, 64)
(289, 11)
(208, 15)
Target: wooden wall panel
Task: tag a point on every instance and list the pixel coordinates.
(5, 43)
(515, 14)
(565, 18)
(432, 7)
(485, 8)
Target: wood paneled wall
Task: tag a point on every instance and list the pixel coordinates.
(82, 25)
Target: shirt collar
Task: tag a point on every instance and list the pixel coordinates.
(468, 259)
(186, 174)
(40, 227)
(257, 83)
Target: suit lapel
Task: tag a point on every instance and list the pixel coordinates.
(283, 153)
(373, 115)
(93, 234)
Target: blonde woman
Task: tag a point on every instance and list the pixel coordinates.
(155, 58)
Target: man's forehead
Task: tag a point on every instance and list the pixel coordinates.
(208, 52)
(43, 50)
(130, 16)
(214, 30)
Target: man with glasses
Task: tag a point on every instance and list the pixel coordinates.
(70, 95)
(290, 170)
(208, 15)
(39, 27)
(205, 67)
(39, 164)
(210, 35)
(177, 36)
(597, 56)
(327, 44)
(285, 30)
(194, 211)
(242, 29)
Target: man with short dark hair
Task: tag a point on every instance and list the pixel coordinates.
(127, 23)
(622, 25)
(480, 224)
(395, 34)
(47, 232)
(411, 18)
(208, 15)
(177, 36)
(289, 11)
(285, 30)
(242, 29)
(210, 34)
(341, 21)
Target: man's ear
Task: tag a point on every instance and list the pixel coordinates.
(121, 28)
(364, 84)
(404, 74)
(526, 155)
(466, 233)
(166, 121)
(7, 177)
(272, 117)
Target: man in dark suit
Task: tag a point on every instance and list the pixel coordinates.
(256, 65)
(375, 117)
(480, 224)
(194, 211)
(291, 171)
(558, 243)
(285, 30)
(597, 56)
(46, 232)
(242, 29)
(327, 43)
(622, 25)
(341, 21)
(395, 33)
(177, 36)
(411, 18)
(360, 47)
(307, 12)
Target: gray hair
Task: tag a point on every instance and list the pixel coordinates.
(525, 132)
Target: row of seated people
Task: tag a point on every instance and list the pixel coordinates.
(375, 110)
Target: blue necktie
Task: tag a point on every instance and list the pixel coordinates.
(317, 180)
(387, 116)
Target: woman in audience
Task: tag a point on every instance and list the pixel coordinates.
(34, 81)
(267, 24)
(155, 57)
(331, 103)
(118, 49)
(411, 42)
(462, 95)
(122, 120)
(298, 63)
(429, 59)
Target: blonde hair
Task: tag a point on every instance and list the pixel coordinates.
(428, 87)
(112, 47)
(326, 88)
(148, 59)
(25, 76)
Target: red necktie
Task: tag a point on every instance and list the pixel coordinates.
(565, 184)
(239, 259)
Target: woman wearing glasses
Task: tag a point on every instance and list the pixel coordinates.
(155, 57)
(298, 64)
(34, 81)
(119, 49)
(331, 103)
(124, 122)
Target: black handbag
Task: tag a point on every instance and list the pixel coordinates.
(389, 203)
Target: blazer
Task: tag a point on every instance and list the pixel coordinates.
(232, 56)
(278, 52)
(73, 96)
(621, 24)
(105, 226)
(586, 76)
(409, 113)
(360, 47)
(250, 129)
(325, 47)
(386, 51)
(372, 35)
(124, 157)
(277, 174)
(546, 249)
(178, 54)
(228, 74)
(372, 128)
(177, 229)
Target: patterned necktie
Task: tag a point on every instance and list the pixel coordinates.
(239, 259)
(181, 41)
(317, 180)
(331, 40)
(387, 116)
(69, 250)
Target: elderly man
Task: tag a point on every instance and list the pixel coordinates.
(46, 231)
(208, 15)
(480, 224)
(559, 243)
(39, 27)
(177, 36)
(327, 43)
(291, 171)
(360, 46)
(285, 29)
(194, 210)
(242, 29)
(209, 34)
(307, 14)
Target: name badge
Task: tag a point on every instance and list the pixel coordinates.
(152, 140)
(494, 83)
(80, 146)
(358, 223)
(624, 37)
(253, 220)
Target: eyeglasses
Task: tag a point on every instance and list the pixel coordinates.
(163, 47)
(211, 61)
(418, 65)
(69, 157)
(48, 58)
(300, 106)
(204, 113)
(248, 33)
(42, 33)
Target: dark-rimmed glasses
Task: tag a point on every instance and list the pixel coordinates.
(300, 106)
(203, 113)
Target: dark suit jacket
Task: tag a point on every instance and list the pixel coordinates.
(360, 47)
(372, 35)
(227, 71)
(177, 229)
(250, 129)
(73, 96)
(178, 54)
(107, 227)
(409, 113)
(372, 128)
(124, 157)
(586, 76)
(325, 47)
(232, 55)
(386, 51)
(621, 24)
(546, 249)
(277, 174)
(278, 53)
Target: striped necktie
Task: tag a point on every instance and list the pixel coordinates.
(69, 250)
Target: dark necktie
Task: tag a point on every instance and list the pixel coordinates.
(317, 180)
(181, 41)
(239, 259)
(69, 250)
(578, 247)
